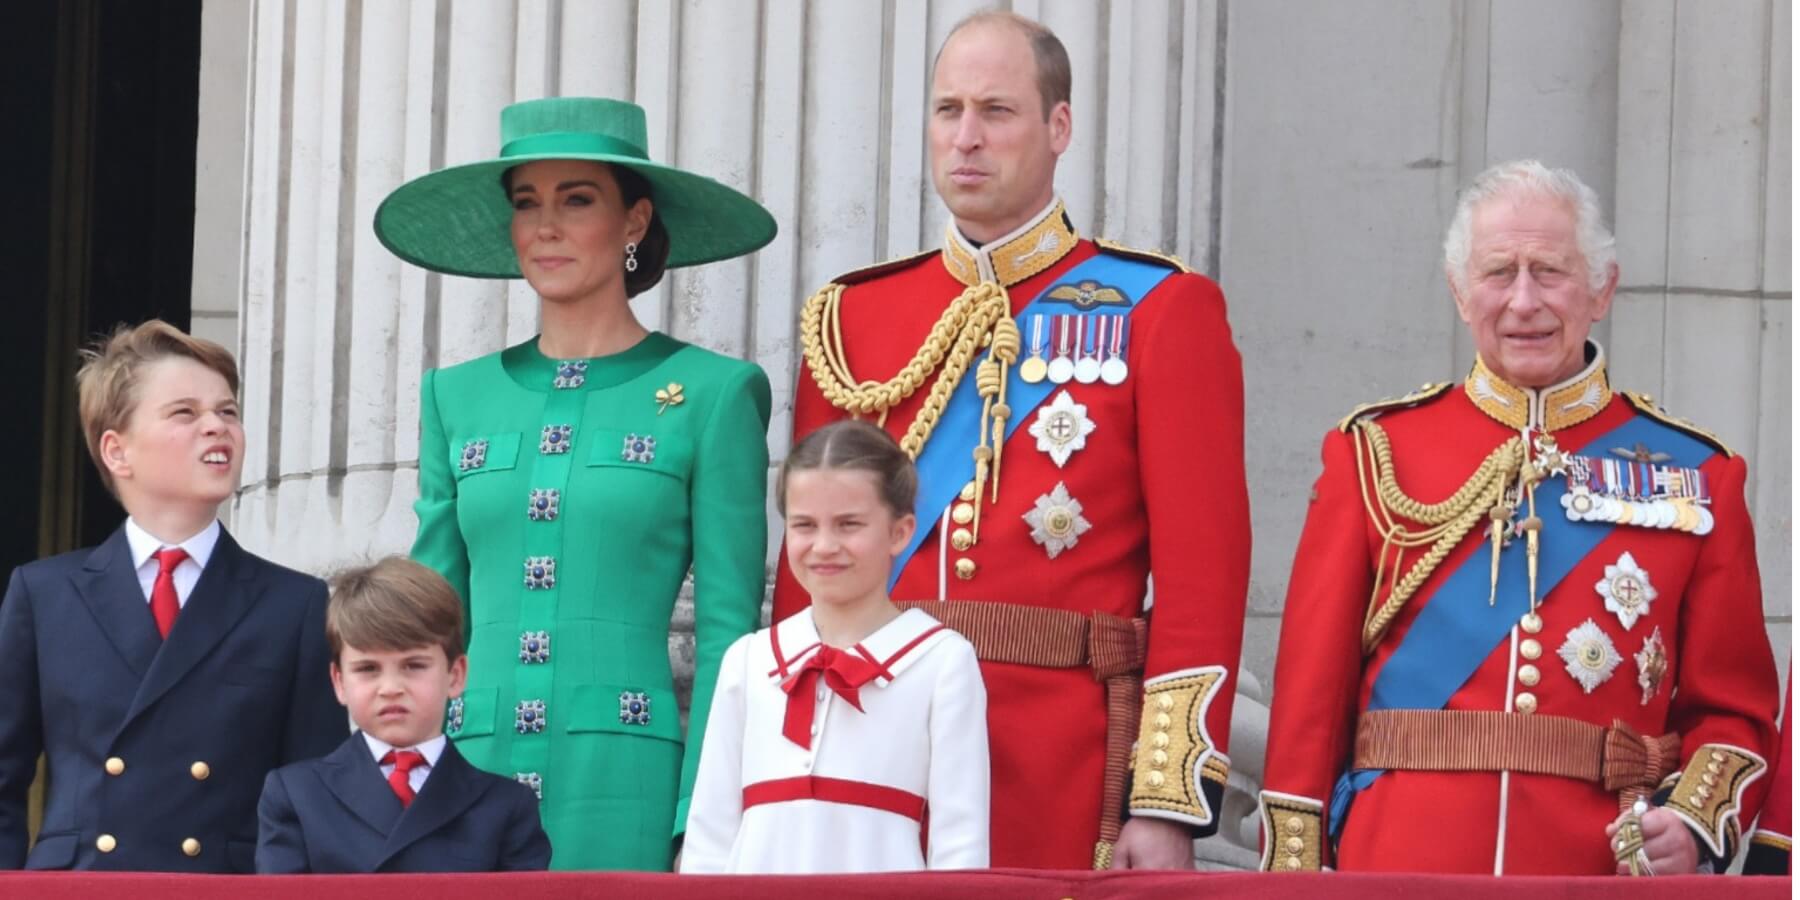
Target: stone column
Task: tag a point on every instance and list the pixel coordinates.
(1703, 318)
(1305, 153)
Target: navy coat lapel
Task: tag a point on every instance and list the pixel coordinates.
(222, 597)
(351, 774)
(108, 585)
(451, 788)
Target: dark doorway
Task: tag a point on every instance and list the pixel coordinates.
(102, 102)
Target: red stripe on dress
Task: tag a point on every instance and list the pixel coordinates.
(781, 662)
(882, 665)
(837, 790)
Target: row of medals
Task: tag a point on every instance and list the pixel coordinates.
(1084, 349)
(1613, 502)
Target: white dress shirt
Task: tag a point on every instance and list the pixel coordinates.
(431, 750)
(143, 557)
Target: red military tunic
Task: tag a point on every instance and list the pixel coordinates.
(1711, 679)
(1160, 481)
(1772, 841)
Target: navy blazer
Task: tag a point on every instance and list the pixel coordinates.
(157, 749)
(338, 814)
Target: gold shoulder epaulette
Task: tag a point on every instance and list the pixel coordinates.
(1427, 392)
(1150, 256)
(882, 268)
(1646, 404)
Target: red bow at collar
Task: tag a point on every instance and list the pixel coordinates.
(844, 672)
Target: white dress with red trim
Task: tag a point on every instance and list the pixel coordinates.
(872, 758)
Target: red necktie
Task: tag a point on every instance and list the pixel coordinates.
(844, 673)
(404, 761)
(163, 602)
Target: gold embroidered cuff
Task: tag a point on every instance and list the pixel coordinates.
(1710, 790)
(1293, 833)
(1173, 749)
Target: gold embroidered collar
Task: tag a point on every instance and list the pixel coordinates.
(1550, 409)
(1034, 247)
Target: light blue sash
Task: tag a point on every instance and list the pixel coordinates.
(1457, 631)
(947, 463)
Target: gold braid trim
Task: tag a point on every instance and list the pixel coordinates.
(980, 317)
(1448, 522)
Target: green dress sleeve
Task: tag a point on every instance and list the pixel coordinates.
(730, 520)
(439, 542)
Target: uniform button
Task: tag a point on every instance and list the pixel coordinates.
(1718, 757)
(1294, 845)
(1528, 675)
(1159, 740)
(1294, 825)
(1525, 703)
(962, 539)
(1159, 758)
(1532, 623)
(1165, 703)
(1714, 768)
(965, 569)
(962, 513)
(1163, 722)
(1530, 649)
(1709, 779)
(200, 771)
(1696, 801)
(115, 766)
(190, 847)
(1155, 779)
(1292, 863)
(967, 494)
(106, 843)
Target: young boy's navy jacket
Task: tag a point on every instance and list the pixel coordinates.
(157, 750)
(338, 814)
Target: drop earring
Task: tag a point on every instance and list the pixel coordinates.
(631, 256)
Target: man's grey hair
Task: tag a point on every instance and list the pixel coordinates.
(1529, 177)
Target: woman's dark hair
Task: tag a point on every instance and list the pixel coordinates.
(854, 445)
(653, 250)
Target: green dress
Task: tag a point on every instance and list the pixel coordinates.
(566, 501)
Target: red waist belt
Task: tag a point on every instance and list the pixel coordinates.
(837, 790)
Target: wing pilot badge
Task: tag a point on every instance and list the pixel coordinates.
(1086, 295)
(1062, 428)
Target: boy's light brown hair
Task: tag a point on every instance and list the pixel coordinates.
(113, 367)
(395, 604)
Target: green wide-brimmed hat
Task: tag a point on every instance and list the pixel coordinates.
(458, 220)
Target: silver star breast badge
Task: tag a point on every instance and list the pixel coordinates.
(1589, 656)
(1062, 428)
(1056, 521)
(1626, 590)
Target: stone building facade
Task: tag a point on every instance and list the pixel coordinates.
(1304, 153)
